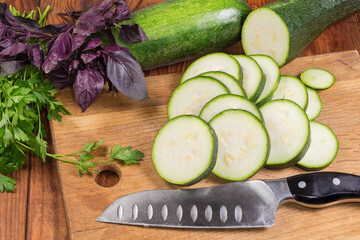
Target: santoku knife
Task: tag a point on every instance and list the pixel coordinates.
(247, 204)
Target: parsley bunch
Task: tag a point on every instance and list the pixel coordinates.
(23, 96)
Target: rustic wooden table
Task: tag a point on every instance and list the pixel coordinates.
(35, 210)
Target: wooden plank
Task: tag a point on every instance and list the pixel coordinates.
(136, 123)
(14, 206)
(13, 216)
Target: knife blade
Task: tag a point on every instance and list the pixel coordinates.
(247, 204)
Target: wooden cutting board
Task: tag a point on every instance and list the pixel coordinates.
(126, 122)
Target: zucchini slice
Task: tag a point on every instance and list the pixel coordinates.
(315, 105)
(323, 148)
(289, 131)
(229, 81)
(228, 101)
(243, 144)
(317, 78)
(271, 72)
(293, 89)
(213, 62)
(184, 150)
(253, 80)
(191, 96)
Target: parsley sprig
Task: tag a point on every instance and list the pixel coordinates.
(22, 98)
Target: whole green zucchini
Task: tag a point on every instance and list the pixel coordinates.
(183, 29)
(283, 29)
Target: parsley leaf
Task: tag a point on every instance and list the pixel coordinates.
(6, 183)
(125, 154)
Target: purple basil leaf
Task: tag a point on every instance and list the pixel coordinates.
(36, 57)
(5, 42)
(74, 65)
(11, 67)
(14, 49)
(28, 24)
(132, 33)
(78, 41)
(53, 29)
(114, 48)
(88, 86)
(2, 29)
(93, 43)
(126, 75)
(89, 57)
(6, 16)
(94, 19)
(122, 11)
(60, 76)
(61, 49)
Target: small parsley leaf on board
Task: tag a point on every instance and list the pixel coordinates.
(125, 154)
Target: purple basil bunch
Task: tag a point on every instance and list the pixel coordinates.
(75, 53)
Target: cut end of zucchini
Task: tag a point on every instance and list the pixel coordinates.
(323, 148)
(184, 150)
(317, 78)
(213, 62)
(264, 32)
(243, 144)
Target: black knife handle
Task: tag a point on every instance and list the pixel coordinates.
(321, 188)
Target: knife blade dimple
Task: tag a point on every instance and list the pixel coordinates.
(238, 213)
(223, 214)
(120, 212)
(194, 213)
(208, 213)
(150, 212)
(179, 212)
(164, 212)
(135, 212)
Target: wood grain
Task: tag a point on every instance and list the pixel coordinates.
(344, 35)
(120, 120)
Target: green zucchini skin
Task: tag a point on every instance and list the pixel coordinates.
(306, 19)
(183, 29)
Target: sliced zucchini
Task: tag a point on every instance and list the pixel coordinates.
(314, 105)
(289, 131)
(317, 78)
(229, 81)
(184, 150)
(243, 144)
(271, 72)
(191, 96)
(253, 80)
(228, 101)
(323, 147)
(293, 89)
(213, 62)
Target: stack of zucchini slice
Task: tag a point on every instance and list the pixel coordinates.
(232, 115)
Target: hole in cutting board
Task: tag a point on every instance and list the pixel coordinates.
(108, 176)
